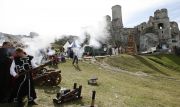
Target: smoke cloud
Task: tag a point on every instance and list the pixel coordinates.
(97, 32)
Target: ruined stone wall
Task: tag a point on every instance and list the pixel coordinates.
(159, 26)
(109, 29)
(158, 30)
(161, 14)
(175, 33)
(147, 41)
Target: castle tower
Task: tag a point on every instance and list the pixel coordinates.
(117, 16)
(162, 26)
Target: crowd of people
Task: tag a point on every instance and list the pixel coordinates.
(15, 80)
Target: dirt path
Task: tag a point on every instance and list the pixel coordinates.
(106, 66)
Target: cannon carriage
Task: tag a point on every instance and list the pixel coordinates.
(68, 95)
(43, 75)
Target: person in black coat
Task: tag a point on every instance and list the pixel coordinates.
(24, 85)
(5, 78)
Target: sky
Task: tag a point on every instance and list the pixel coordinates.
(57, 17)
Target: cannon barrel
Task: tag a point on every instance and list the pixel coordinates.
(36, 69)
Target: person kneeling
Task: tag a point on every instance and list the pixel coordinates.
(24, 86)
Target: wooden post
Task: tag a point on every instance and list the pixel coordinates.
(75, 86)
(79, 94)
(93, 98)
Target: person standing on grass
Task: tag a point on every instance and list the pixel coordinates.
(75, 56)
(70, 53)
(5, 79)
(23, 83)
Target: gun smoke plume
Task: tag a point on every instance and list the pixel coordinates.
(97, 32)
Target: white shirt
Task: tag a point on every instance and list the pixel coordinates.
(13, 66)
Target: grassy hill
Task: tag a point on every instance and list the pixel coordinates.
(120, 89)
(167, 65)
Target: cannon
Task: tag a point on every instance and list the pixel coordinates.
(45, 76)
(68, 95)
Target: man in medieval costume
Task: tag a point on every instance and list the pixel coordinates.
(5, 79)
(20, 69)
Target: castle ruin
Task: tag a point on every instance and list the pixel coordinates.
(158, 32)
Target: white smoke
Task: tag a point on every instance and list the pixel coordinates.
(34, 45)
(97, 32)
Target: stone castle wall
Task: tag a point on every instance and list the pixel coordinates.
(158, 31)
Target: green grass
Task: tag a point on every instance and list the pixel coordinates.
(130, 63)
(117, 89)
(169, 61)
(168, 65)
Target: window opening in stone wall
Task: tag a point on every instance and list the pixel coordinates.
(160, 25)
